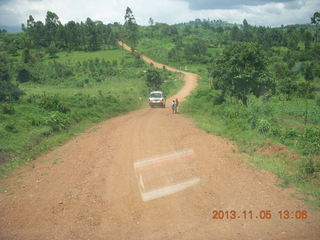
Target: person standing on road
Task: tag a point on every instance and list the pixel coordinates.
(173, 106)
(177, 106)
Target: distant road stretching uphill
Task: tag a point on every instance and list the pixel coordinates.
(153, 175)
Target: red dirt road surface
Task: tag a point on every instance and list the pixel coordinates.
(149, 174)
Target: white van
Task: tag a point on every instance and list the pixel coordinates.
(157, 98)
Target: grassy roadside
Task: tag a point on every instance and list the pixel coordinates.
(277, 152)
(281, 136)
(57, 108)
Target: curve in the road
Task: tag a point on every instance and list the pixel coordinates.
(149, 174)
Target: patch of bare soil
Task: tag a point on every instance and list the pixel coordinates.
(278, 150)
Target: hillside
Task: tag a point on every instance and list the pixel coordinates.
(78, 142)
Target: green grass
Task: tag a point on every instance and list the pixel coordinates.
(75, 56)
(287, 121)
(158, 50)
(289, 175)
(57, 108)
(291, 172)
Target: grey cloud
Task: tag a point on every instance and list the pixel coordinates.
(8, 17)
(3, 2)
(295, 5)
(224, 4)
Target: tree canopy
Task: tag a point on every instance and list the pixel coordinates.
(241, 71)
(130, 28)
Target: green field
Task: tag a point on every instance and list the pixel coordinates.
(71, 92)
(282, 135)
(279, 141)
(259, 87)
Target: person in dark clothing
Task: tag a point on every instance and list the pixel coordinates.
(173, 106)
(177, 106)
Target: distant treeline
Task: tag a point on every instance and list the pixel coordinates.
(88, 35)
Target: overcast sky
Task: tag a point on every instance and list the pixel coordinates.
(257, 12)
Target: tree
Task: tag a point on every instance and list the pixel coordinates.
(92, 35)
(51, 26)
(307, 39)
(197, 50)
(72, 35)
(12, 48)
(241, 70)
(151, 22)
(60, 38)
(293, 41)
(315, 19)
(4, 68)
(52, 50)
(234, 33)
(130, 28)
(26, 57)
(36, 31)
(308, 73)
(23, 75)
(8, 91)
(285, 77)
(245, 24)
(154, 79)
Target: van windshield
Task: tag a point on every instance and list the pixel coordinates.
(155, 95)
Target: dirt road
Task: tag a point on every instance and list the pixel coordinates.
(148, 175)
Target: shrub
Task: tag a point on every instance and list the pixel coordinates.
(218, 99)
(59, 70)
(291, 132)
(8, 109)
(276, 130)
(53, 103)
(52, 50)
(309, 142)
(10, 127)
(57, 121)
(35, 122)
(263, 126)
(308, 168)
(9, 91)
(79, 84)
(318, 101)
(153, 79)
(24, 75)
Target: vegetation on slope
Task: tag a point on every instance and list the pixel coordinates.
(259, 87)
(47, 96)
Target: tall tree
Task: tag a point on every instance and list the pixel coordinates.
(51, 25)
(151, 22)
(234, 33)
(315, 19)
(8, 91)
(73, 35)
(26, 56)
(130, 28)
(154, 79)
(307, 39)
(92, 35)
(241, 70)
(36, 32)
